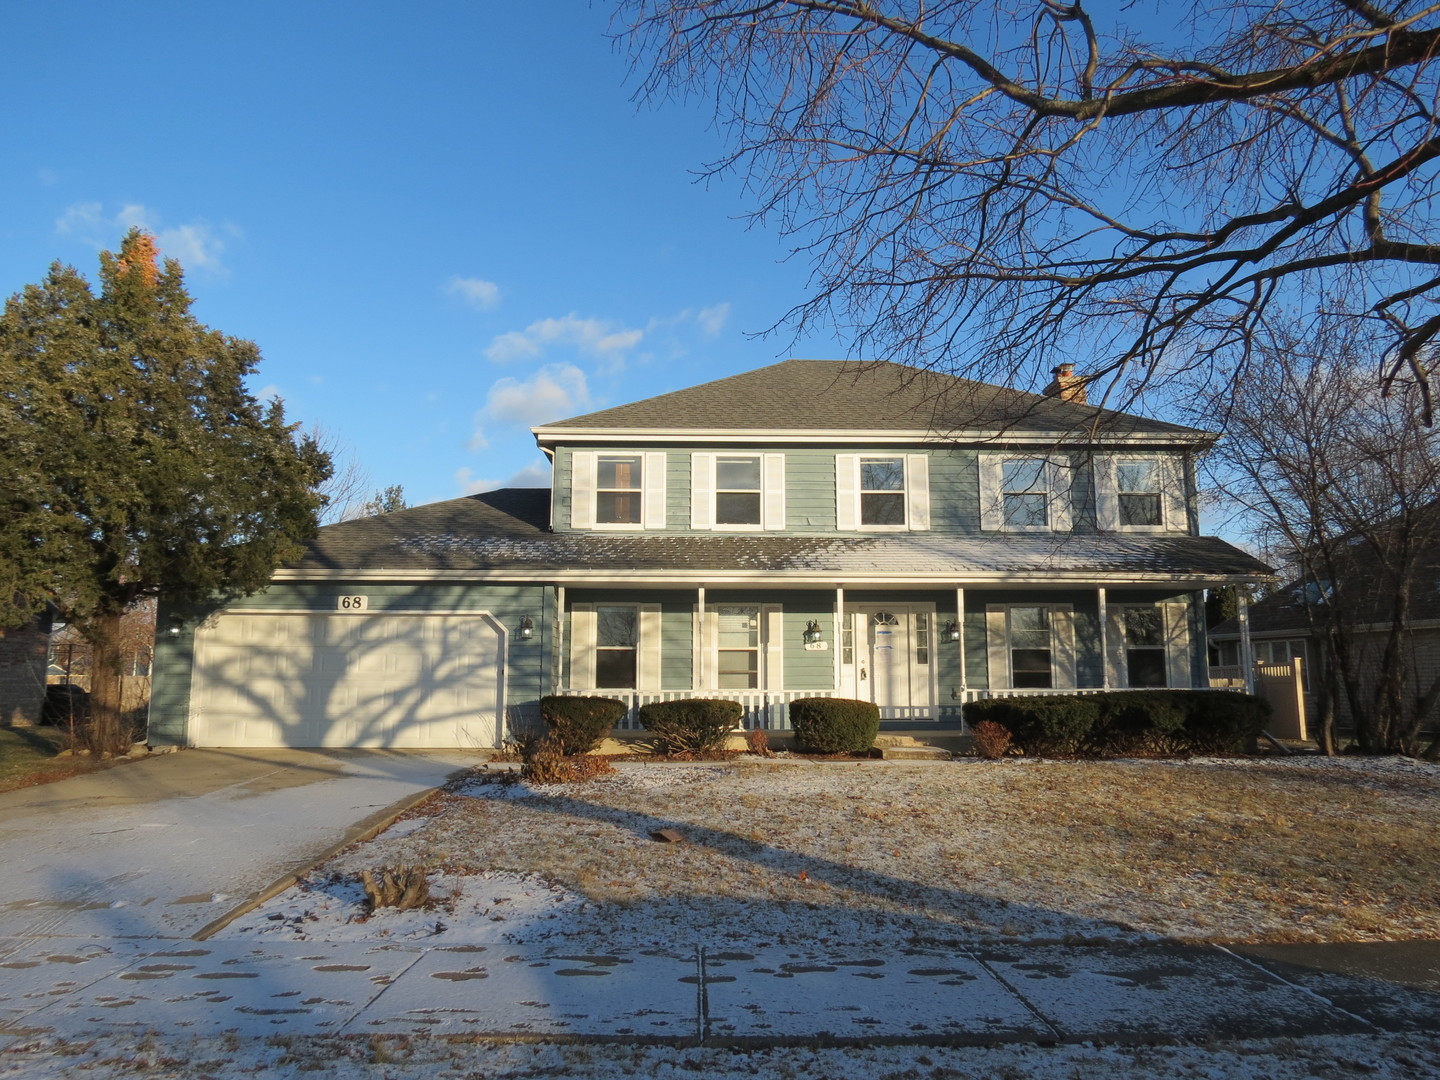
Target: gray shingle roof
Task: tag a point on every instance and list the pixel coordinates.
(841, 395)
(506, 531)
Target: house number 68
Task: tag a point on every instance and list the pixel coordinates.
(352, 603)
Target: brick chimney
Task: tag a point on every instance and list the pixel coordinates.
(1067, 386)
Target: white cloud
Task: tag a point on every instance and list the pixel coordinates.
(82, 218)
(593, 337)
(467, 483)
(475, 292)
(712, 319)
(196, 246)
(536, 474)
(555, 391)
(478, 441)
(269, 392)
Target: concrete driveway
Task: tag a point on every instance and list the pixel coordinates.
(163, 846)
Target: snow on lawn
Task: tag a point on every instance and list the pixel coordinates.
(1393, 1057)
(872, 853)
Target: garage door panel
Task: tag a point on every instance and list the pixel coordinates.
(308, 680)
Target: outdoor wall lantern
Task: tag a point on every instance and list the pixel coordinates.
(813, 634)
(952, 631)
(526, 629)
(172, 628)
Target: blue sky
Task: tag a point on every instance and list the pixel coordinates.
(442, 222)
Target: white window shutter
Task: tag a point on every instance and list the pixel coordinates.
(582, 489)
(647, 674)
(1062, 476)
(702, 491)
(1107, 495)
(774, 623)
(997, 647)
(847, 492)
(654, 483)
(1062, 644)
(772, 512)
(1117, 670)
(1172, 494)
(1177, 645)
(992, 481)
(917, 491)
(582, 647)
(707, 636)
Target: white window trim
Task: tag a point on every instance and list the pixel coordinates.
(1175, 623)
(848, 495)
(703, 492)
(584, 493)
(584, 645)
(1059, 478)
(1174, 506)
(770, 650)
(1062, 645)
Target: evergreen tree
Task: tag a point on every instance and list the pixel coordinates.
(133, 461)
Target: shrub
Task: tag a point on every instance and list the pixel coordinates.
(1224, 723)
(545, 763)
(580, 723)
(992, 740)
(692, 725)
(1052, 724)
(834, 725)
(1125, 722)
(758, 742)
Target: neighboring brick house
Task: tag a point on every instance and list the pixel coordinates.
(810, 528)
(23, 653)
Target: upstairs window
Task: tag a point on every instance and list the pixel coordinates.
(1137, 484)
(618, 490)
(1025, 494)
(1140, 494)
(882, 491)
(738, 489)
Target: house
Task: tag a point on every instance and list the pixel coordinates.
(809, 528)
(1290, 623)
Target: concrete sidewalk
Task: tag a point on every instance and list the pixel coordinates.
(162, 846)
(1044, 994)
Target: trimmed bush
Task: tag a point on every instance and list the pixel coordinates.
(1224, 723)
(1052, 724)
(691, 725)
(992, 740)
(834, 725)
(1126, 722)
(580, 723)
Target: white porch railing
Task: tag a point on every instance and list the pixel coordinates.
(769, 710)
(981, 695)
(765, 710)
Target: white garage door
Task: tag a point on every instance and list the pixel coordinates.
(347, 680)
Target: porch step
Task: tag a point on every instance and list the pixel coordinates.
(913, 753)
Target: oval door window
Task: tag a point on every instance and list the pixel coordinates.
(884, 618)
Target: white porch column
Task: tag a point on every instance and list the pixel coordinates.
(960, 644)
(559, 661)
(839, 633)
(1247, 650)
(1102, 603)
(697, 671)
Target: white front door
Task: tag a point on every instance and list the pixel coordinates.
(892, 660)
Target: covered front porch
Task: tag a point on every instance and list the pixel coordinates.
(920, 654)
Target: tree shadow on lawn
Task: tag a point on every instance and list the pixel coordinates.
(924, 914)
